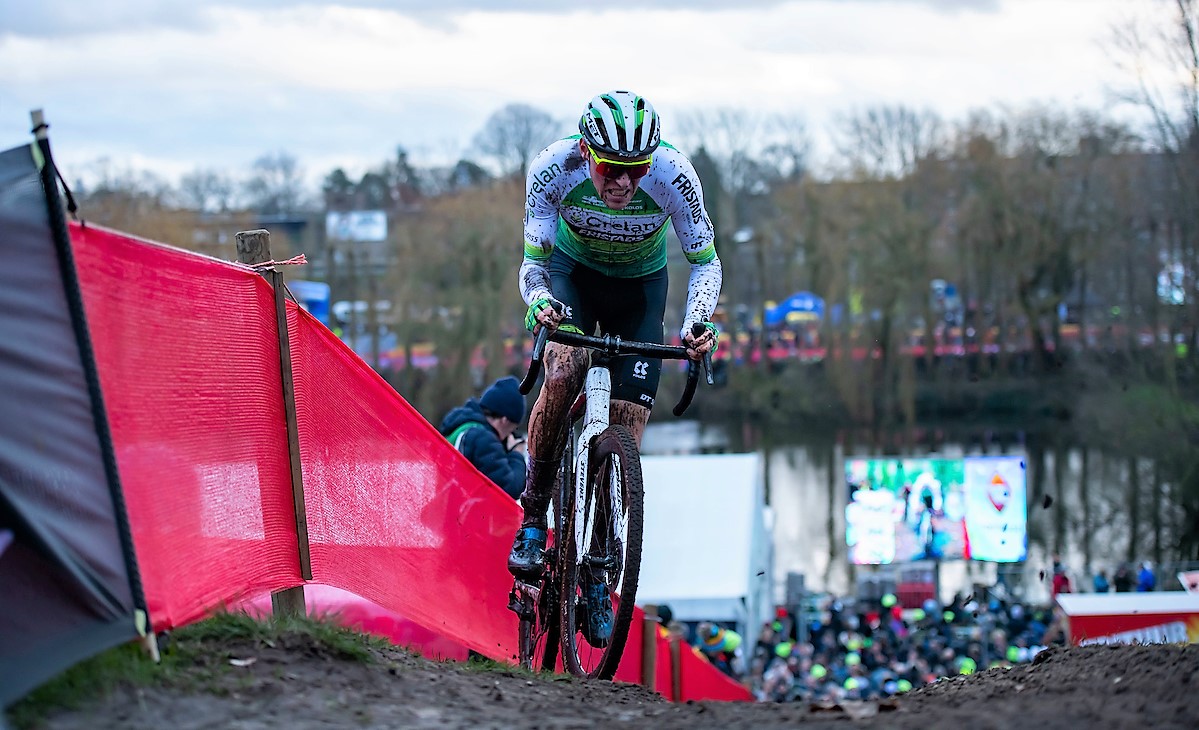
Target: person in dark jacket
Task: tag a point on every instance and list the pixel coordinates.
(1122, 581)
(484, 430)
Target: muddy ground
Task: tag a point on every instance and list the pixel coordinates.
(299, 684)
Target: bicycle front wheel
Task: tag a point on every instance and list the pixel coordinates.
(612, 558)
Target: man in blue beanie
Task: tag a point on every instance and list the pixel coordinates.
(484, 430)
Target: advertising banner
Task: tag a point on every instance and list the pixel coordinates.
(356, 225)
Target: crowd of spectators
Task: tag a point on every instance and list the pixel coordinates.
(1125, 579)
(849, 649)
(859, 650)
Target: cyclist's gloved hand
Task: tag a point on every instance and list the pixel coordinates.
(545, 310)
(705, 341)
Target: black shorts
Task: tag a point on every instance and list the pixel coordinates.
(630, 308)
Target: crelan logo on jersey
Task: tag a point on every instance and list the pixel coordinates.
(641, 370)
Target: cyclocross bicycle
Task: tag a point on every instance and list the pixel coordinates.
(597, 515)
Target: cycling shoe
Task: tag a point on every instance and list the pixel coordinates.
(527, 559)
(597, 619)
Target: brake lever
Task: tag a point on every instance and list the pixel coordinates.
(539, 340)
(697, 329)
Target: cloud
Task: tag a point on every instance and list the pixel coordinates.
(343, 84)
(64, 18)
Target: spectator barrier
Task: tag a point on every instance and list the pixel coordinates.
(189, 362)
(1159, 617)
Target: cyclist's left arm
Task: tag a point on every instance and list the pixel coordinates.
(698, 240)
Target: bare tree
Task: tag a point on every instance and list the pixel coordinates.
(514, 134)
(1161, 56)
(888, 141)
(276, 185)
(206, 190)
(138, 202)
(734, 138)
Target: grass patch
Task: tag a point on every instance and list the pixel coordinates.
(86, 680)
(480, 664)
(194, 658)
(226, 628)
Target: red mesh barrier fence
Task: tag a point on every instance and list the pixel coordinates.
(188, 357)
(396, 514)
(702, 681)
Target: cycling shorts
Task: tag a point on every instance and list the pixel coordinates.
(631, 308)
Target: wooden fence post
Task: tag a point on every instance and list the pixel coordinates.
(676, 668)
(254, 247)
(649, 648)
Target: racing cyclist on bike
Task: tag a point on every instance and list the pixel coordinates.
(596, 212)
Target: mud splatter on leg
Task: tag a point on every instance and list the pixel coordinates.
(565, 368)
(632, 416)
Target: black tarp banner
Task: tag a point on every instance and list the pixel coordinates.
(68, 579)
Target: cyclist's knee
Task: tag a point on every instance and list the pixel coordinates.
(632, 416)
(565, 368)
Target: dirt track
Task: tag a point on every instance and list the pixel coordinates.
(297, 684)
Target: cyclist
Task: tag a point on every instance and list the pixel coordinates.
(596, 212)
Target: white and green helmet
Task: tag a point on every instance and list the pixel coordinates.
(621, 123)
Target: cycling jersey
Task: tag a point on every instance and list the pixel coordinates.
(563, 210)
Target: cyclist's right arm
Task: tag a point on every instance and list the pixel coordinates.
(541, 226)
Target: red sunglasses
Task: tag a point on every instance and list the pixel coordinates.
(613, 169)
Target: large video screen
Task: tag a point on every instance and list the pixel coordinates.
(936, 509)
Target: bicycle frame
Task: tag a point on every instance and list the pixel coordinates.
(598, 388)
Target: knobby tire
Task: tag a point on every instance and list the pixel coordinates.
(578, 657)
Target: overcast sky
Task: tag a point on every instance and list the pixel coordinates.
(173, 86)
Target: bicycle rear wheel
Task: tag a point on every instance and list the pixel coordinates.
(614, 555)
(539, 609)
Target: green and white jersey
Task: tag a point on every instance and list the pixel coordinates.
(563, 209)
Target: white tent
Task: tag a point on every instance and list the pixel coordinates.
(708, 550)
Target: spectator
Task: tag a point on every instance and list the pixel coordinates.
(1100, 581)
(1146, 580)
(484, 430)
(768, 638)
(1122, 580)
(1061, 581)
(721, 646)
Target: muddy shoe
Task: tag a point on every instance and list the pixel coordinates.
(527, 559)
(597, 617)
